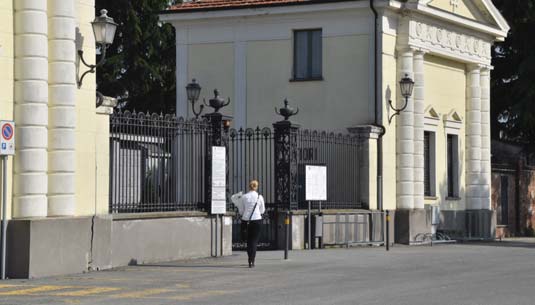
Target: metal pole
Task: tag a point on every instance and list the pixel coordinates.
(216, 234)
(287, 235)
(309, 228)
(4, 216)
(387, 230)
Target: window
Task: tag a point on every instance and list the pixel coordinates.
(453, 166)
(503, 210)
(429, 164)
(307, 55)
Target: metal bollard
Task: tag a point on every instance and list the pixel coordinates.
(387, 230)
(287, 226)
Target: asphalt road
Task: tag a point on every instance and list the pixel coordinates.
(463, 274)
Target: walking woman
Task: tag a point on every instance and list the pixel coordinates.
(251, 207)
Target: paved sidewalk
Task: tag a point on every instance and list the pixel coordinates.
(463, 274)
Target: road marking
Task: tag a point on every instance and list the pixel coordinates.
(86, 291)
(197, 295)
(27, 291)
(9, 286)
(183, 286)
(141, 294)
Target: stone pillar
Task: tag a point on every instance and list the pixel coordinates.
(419, 109)
(367, 160)
(485, 178)
(31, 110)
(61, 108)
(285, 154)
(405, 138)
(473, 138)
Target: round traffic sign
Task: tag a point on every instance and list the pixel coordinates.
(7, 131)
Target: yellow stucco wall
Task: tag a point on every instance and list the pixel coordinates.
(444, 99)
(213, 66)
(344, 92)
(92, 141)
(6, 79)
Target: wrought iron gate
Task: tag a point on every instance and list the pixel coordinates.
(251, 154)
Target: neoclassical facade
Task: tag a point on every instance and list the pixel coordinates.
(340, 62)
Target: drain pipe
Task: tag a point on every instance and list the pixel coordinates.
(379, 124)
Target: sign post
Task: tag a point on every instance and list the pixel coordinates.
(7, 148)
(315, 190)
(219, 187)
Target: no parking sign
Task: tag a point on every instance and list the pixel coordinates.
(7, 138)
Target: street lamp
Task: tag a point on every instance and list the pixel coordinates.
(193, 91)
(406, 86)
(104, 31)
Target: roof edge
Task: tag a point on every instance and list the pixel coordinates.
(250, 6)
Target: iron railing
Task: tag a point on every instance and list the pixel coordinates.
(340, 153)
(157, 163)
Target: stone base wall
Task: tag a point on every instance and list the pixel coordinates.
(56, 246)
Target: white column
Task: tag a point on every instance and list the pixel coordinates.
(473, 138)
(31, 111)
(240, 84)
(181, 73)
(405, 138)
(419, 108)
(61, 108)
(485, 178)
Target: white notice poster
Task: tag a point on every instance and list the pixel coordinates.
(315, 183)
(219, 185)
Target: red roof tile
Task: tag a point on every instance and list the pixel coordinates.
(203, 5)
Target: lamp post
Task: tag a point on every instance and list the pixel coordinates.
(104, 30)
(193, 91)
(406, 86)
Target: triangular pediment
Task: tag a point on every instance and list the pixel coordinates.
(464, 8)
(481, 11)
(453, 116)
(430, 112)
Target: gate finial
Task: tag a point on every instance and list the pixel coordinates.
(287, 111)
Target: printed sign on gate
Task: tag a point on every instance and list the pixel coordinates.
(7, 138)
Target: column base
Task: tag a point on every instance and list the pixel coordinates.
(410, 225)
(469, 224)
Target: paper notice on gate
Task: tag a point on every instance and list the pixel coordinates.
(219, 185)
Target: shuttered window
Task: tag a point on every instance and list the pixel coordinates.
(453, 165)
(307, 55)
(427, 163)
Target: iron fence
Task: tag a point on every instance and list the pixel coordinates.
(157, 163)
(340, 153)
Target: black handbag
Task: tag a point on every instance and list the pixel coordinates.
(245, 224)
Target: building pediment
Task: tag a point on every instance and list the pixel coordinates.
(480, 15)
(464, 8)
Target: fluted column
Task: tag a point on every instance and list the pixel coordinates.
(405, 138)
(31, 111)
(419, 108)
(61, 108)
(485, 178)
(473, 138)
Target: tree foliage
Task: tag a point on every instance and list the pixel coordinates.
(140, 65)
(513, 77)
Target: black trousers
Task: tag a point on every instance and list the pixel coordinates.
(253, 236)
